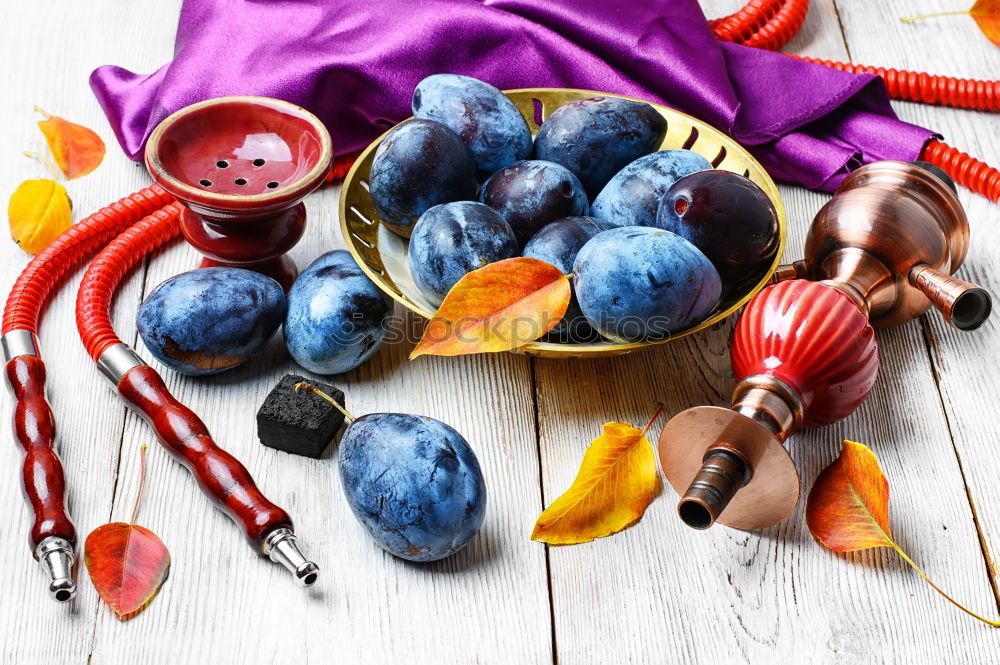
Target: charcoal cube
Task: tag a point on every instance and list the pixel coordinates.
(299, 421)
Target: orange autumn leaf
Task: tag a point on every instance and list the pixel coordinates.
(848, 507)
(126, 562)
(616, 482)
(986, 14)
(76, 149)
(499, 307)
(38, 211)
(848, 510)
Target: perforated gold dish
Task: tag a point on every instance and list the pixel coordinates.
(382, 254)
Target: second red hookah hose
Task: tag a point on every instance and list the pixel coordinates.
(777, 27)
(221, 476)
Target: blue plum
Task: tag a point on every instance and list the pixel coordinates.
(639, 283)
(598, 136)
(452, 239)
(727, 217)
(209, 320)
(414, 483)
(481, 115)
(632, 197)
(419, 164)
(558, 243)
(337, 318)
(532, 193)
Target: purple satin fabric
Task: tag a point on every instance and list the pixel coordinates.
(354, 63)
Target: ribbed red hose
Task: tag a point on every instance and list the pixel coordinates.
(965, 169)
(926, 88)
(743, 24)
(906, 85)
(93, 303)
(781, 27)
(776, 28)
(44, 272)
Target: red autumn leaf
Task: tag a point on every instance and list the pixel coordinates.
(848, 510)
(76, 149)
(499, 307)
(126, 562)
(986, 14)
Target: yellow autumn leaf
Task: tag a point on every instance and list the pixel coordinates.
(616, 482)
(38, 211)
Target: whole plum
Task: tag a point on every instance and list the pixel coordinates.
(481, 115)
(419, 164)
(729, 218)
(414, 483)
(337, 318)
(633, 195)
(558, 243)
(452, 239)
(532, 193)
(212, 319)
(639, 283)
(598, 136)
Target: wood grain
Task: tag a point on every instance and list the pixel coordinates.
(655, 593)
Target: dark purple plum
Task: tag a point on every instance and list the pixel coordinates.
(212, 319)
(598, 136)
(480, 114)
(452, 239)
(633, 195)
(558, 243)
(418, 165)
(337, 318)
(728, 217)
(640, 284)
(414, 483)
(532, 193)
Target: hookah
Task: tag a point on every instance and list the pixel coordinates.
(300, 150)
(227, 227)
(881, 252)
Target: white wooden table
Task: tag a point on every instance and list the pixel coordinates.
(657, 593)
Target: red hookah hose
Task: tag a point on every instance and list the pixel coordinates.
(781, 25)
(179, 429)
(42, 475)
(743, 24)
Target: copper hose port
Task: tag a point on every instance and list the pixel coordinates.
(722, 474)
(963, 304)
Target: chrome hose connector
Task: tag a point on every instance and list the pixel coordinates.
(116, 361)
(56, 556)
(19, 343)
(280, 546)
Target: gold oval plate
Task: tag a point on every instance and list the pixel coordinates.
(382, 253)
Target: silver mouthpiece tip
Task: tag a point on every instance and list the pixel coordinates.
(280, 546)
(56, 556)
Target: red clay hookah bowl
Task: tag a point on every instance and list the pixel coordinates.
(241, 166)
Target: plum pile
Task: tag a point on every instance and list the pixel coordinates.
(655, 238)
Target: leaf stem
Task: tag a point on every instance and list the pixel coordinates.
(39, 156)
(308, 387)
(911, 19)
(659, 410)
(995, 624)
(142, 481)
